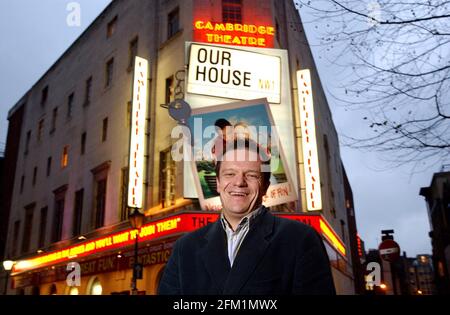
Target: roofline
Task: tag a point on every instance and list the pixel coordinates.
(435, 176)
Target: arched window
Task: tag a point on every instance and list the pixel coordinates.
(35, 290)
(52, 290)
(94, 287)
(71, 291)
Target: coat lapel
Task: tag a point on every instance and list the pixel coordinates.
(215, 255)
(251, 252)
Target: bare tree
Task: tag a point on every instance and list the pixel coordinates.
(400, 66)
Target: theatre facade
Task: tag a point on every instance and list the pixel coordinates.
(103, 134)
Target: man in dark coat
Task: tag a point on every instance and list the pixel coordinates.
(248, 250)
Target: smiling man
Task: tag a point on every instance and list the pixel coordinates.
(248, 250)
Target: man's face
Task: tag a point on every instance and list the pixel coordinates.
(240, 183)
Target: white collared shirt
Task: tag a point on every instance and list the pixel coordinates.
(235, 238)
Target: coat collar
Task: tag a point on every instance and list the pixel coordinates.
(214, 253)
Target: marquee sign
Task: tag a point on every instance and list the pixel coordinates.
(234, 34)
(137, 136)
(171, 226)
(150, 231)
(233, 73)
(309, 142)
(148, 255)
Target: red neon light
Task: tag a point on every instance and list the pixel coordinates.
(172, 225)
(360, 251)
(234, 34)
(176, 224)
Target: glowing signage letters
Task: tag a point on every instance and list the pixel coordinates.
(137, 137)
(309, 144)
(232, 73)
(177, 224)
(234, 34)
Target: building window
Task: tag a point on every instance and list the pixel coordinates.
(105, 129)
(70, 105)
(343, 230)
(87, 91)
(166, 179)
(53, 290)
(124, 195)
(133, 51)
(65, 157)
(111, 27)
(40, 129)
(100, 179)
(58, 217)
(73, 291)
(100, 200)
(277, 32)
(49, 166)
(42, 227)
(232, 11)
(109, 72)
(58, 220)
(34, 176)
(129, 107)
(22, 182)
(54, 117)
(44, 95)
(173, 23)
(95, 287)
(78, 212)
(170, 94)
(27, 142)
(16, 237)
(83, 143)
(35, 290)
(27, 228)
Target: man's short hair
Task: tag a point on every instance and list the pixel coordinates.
(247, 144)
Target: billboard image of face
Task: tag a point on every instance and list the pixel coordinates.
(210, 126)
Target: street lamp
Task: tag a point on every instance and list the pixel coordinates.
(136, 219)
(7, 265)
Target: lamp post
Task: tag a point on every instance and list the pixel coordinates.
(136, 219)
(7, 264)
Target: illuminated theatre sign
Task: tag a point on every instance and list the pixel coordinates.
(234, 34)
(171, 226)
(233, 73)
(137, 136)
(309, 141)
(153, 230)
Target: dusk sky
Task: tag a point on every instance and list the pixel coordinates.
(35, 33)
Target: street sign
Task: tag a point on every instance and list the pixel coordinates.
(389, 250)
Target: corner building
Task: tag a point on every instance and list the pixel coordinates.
(70, 188)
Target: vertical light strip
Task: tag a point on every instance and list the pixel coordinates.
(137, 136)
(331, 236)
(309, 143)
